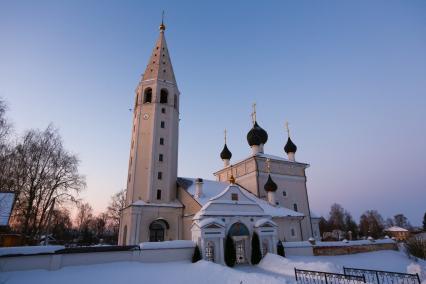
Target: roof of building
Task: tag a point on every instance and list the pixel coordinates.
(257, 135)
(290, 147)
(396, 229)
(213, 189)
(225, 154)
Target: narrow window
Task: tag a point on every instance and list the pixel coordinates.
(163, 110)
(175, 102)
(285, 193)
(160, 157)
(295, 207)
(234, 196)
(161, 141)
(163, 124)
(160, 175)
(163, 96)
(293, 233)
(158, 194)
(147, 96)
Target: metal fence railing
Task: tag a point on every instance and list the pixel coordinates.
(319, 277)
(383, 277)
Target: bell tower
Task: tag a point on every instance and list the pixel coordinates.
(153, 158)
(152, 212)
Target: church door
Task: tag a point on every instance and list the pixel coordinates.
(240, 250)
(240, 234)
(156, 232)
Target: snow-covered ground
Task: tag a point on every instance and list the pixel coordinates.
(272, 269)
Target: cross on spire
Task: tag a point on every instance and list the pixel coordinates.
(287, 128)
(253, 114)
(268, 165)
(162, 26)
(225, 135)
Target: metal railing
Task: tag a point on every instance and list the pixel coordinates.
(319, 277)
(383, 277)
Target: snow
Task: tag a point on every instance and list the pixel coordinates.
(395, 229)
(272, 269)
(202, 272)
(29, 249)
(263, 221)
(214, 189)
(167, 244)
(209, 221)
(170, 204)
(337, 244)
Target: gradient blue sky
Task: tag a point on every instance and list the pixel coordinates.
(350, 76)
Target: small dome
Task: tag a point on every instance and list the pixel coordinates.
(270, 185)
(225, 154)
(290, 147)
(257, 135)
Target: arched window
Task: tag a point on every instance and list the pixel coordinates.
(175, 102)
(163, 96)
(157, 229)
(147, 96)
(124, 241)
(238, 229)
(210, 251)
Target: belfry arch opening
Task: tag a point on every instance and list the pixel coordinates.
(147, 98)
(163, 96)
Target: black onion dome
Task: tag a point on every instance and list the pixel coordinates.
(257, 135)
(225, 154)
(290, 147)
(270, 185)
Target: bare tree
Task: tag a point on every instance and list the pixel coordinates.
(42, 172)
(118, 201)
(84, 215)
(371, 224)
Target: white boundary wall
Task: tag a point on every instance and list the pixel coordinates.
(57, 261)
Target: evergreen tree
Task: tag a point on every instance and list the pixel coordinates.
(280, 249)
(424, 222)
(230, 254)
(197, 254)
(256, 254)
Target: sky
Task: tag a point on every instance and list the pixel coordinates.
(349, 76)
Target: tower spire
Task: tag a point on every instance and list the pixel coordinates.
(162, 26)
(253, 114)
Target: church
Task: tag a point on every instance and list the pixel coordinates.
(261, 193)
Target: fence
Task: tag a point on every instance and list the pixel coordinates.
(383, 277)
(319, 277)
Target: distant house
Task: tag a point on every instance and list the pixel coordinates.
(400, 234)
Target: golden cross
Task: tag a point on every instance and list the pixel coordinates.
(268, 165)
(287, 128)
(253, 114)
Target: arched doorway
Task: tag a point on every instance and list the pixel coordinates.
(157, 230)
(241, 236)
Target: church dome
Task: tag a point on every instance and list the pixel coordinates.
(270, 185)
(290, 147)
(225, 154)
(257, 135)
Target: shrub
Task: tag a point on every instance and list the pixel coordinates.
(230, 254)
(416, 247)
(280, 249)
(256, 254)
(197, 254)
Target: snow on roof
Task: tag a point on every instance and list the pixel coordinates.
(209, 221)
(6, 203)
(263, 221)
(396, 229)
(167, 244)
(171, 204)
(314, 215)
(29, 250)
(213, 189)
(336, 244)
